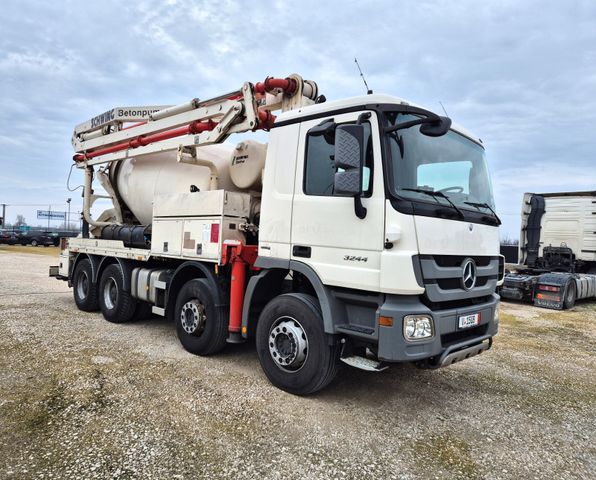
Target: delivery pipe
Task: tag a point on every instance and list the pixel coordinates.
(175, 110)
(87, 193)
(192, 128)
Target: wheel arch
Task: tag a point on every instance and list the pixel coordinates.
(276, 270)
(125, 265)
(93, 259)
(189, 271)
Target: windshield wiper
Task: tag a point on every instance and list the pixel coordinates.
(435, 195)
(485, 205)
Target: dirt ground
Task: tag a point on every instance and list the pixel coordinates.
(83, 398)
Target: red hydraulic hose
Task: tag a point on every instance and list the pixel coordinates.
(134, 125)
(237, 294)
(266, 119)
(288, 85)
(192, 128)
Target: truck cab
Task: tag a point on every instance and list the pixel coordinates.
(413, 278)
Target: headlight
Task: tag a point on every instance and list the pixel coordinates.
(418, 327)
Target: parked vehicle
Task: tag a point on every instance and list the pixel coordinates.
(364, 232)
(8, 237)
(35, 238)
(557, 250)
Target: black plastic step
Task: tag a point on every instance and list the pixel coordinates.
(357, 328)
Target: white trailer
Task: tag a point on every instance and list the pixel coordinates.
(557, 250)
(363, 232)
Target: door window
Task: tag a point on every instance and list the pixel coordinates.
(319, 166)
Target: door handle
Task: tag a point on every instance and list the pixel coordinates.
(301, 251)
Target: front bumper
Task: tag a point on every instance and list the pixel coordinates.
(448, 339)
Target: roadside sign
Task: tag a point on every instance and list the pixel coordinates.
(48, 214)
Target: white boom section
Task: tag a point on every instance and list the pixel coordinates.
(104, 139)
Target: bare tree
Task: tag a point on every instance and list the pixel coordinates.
(507, 240)
(20, 221)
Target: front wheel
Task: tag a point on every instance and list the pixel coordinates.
(116, 305)
(292, 345)
(200, 326)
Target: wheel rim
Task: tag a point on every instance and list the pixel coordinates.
(110, 293)
(83, 285)
(193, 317)
(288, 344)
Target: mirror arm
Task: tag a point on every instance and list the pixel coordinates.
(419, 121)
(362, 117)
(359, 209)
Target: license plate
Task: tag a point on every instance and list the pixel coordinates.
(467, 321)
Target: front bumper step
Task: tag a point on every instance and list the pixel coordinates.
(364, 363)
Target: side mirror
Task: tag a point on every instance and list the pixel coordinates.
(437, 128)
(349, 157)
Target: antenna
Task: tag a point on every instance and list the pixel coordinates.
(368, 90)
(441, 103)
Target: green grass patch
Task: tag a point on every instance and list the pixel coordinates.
(447, 452)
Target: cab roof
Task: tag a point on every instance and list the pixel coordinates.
(362, 100)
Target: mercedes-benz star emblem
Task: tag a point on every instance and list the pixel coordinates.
(468, 277)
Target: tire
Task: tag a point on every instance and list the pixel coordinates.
(200, 325)
(292, 345)
(116, 305)
(34, 243)
(570, 295)
(84, 290)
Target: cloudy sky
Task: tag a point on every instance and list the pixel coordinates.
(520, 75)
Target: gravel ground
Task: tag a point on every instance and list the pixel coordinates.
(83, 398)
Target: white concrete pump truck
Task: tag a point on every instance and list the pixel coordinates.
(364, 232)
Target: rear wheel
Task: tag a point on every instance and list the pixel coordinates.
(200, 326)
(292, 345)
(84, 290)
(116, 305)
(34, 243)
(570, 295)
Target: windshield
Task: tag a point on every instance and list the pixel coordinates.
(451, 164)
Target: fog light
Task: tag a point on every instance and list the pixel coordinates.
(418, 327)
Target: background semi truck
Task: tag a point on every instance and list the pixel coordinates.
(557, 250)
(363, 232)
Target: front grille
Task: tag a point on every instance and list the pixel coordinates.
(455, 283)
(442, 277)
(456, 260)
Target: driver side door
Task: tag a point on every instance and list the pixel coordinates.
(326, 234)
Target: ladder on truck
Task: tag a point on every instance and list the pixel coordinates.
(125, 132)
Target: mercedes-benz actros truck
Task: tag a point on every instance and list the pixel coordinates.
(364, 231)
